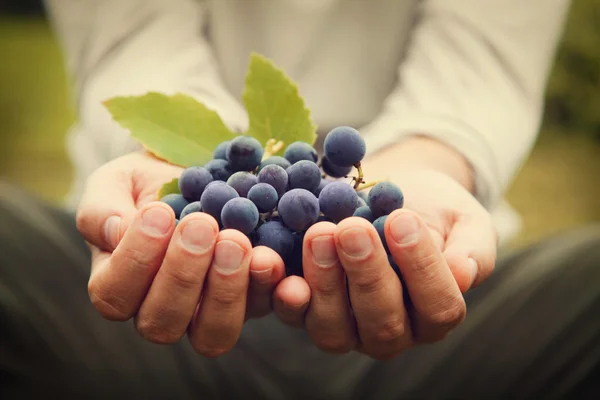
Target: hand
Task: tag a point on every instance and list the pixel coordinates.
(143, 267)
(443, 242)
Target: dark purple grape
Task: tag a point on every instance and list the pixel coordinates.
(221, 151)
(338, 200)
(196, 206)
(298, 151)
(333, 170)
(344, 146)
(384, 198)
(364, 212)
(214, 199)
(277, 237)
(242, 182)
(192, 182)
(304, 175)
(275, 160)
(177, 203)
(244, 153)
(299, 209)
(275, 176)
(264, 197)
(240, 214)
(219, 169)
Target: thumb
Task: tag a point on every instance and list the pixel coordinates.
(106, 208)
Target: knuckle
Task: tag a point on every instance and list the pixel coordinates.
(227, 298)
(185, 278)
(211, 351)
(110, 307)
(155, 333)
(367, 283)
(336, 344)
(135, 259)
(425, 262)
(390, 333)
(450, 317)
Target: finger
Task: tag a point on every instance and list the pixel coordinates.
(106, 208)
(290, 300)
(437, 301)
(375, 291)
(220, 317)
(175, 292)
(266, 271)
(118, 285)
(329, 321)
(471, 250)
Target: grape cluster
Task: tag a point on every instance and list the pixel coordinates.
(274, 199)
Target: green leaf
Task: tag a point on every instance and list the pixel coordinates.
(169, 188)
(175, 128)
(275, 108)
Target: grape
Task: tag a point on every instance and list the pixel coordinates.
(241, 214)
(244, 153)
(215, 197)
(333, 170)
(323, 218)
(322, 184)
(193, 207)
(176, 201)
(364, 212)
(379, 225)
(299, 151)
(338, 200)
(215, 183)
(264, 197)
(275, 160)
(384, 198)
(361, 202)
(221, 151)
(192, 182)
(304, 175)
(275, 176)
(219, 169)
(363, 195)
(274, 235)
(242, 182)
(293, 263)
(344, 146)
(298, 209)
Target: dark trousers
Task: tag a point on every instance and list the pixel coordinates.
(532, 331)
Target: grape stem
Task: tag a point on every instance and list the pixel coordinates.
(272, 147)
(366, 185)
(359, 179)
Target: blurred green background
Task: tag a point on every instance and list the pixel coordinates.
(557, 188)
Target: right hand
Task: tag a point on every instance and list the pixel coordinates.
(171, 280)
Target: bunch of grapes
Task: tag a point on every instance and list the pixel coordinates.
(274, 200)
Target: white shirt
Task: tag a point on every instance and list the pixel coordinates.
(470, 73)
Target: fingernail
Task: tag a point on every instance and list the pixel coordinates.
(197, 236)
(263, 276)
(356, 242)
(228, 257)
(111, 230)
(323, 251)
(405, 229)
(474, 269)
(156, 221)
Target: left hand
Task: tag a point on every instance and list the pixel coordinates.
(444, 244)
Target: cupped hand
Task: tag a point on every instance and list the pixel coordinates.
(170, 279)
(444, 244)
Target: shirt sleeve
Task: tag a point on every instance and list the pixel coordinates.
(474, 77)
(130, 47)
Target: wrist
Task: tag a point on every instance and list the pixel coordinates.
(422, 153)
